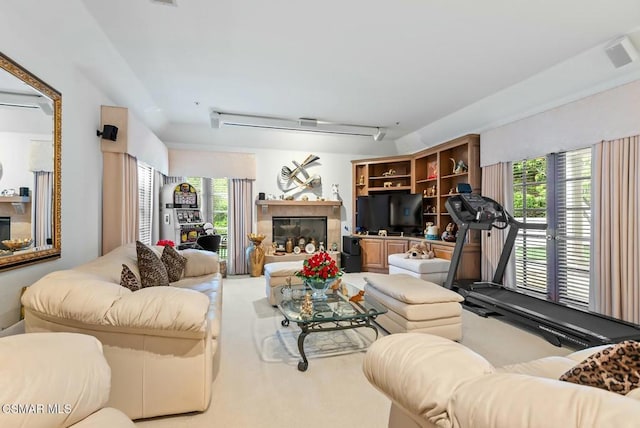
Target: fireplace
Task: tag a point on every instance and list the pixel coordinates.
(301, 229)
(274, 210)
(5, 230)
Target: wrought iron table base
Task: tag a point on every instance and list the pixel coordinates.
(320, 326)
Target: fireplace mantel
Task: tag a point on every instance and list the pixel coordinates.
(281, 202)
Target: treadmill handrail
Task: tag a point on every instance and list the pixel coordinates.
(464, 224)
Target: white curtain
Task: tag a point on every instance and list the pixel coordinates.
(615, 260)
(119, 200)
(42, 207)
(240, 223)
(156, 205)
(497, 183)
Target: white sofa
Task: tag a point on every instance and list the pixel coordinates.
(435, 382)
(55, 380)
(161, 342)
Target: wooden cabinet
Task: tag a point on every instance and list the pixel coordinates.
(439, 170)
(469, 267)
(372, 253)
(381, 175)
(375, 252)
(434, 172)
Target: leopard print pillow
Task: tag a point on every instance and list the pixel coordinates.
(128, 279)
(174, 262)
(152, 270)
(616, 368)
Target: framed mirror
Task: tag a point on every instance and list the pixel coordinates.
(30, 155)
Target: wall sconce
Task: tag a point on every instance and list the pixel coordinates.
(109, 132)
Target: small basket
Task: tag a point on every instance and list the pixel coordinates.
(17, 244)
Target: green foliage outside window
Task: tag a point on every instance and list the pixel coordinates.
(531, 173)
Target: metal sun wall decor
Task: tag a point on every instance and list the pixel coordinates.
(298, 179)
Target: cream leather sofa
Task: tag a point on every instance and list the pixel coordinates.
(161, 342)
(55, 380)
(435, 382)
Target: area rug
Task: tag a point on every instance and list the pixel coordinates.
(280, 344)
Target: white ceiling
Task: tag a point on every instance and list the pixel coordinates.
(408, 65)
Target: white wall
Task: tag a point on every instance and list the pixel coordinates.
(146, 146)
(14, 156)
(33, 41)
(199, 163)
(332, 168)
(605, 116)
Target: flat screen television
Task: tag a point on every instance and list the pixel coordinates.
(405, 210)
(378, 217)
(394, 212)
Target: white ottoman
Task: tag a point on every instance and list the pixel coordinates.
(433, 270)
(276, 275)
(416, 306)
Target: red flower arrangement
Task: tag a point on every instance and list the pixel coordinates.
(320, 266)
(165, 242)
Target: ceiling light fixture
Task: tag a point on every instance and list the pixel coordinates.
(219, 119)
(15, 99)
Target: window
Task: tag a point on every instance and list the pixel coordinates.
(145, 202)
(214, 205)
(530, 206)
(555, 190)
(573, 226)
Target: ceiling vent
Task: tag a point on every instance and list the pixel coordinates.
(621, 52)
(166, 2)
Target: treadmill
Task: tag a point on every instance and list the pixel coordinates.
(555, 322)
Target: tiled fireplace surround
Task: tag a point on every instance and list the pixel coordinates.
(278, 208)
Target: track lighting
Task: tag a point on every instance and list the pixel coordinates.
(219, 119)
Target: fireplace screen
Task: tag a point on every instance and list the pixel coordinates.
(302, 230)
(5, 230)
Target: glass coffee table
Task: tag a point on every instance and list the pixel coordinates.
(338, 311)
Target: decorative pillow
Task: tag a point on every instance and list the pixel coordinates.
(173, 262)
(616, 368)
(128, 279)
(152, 270)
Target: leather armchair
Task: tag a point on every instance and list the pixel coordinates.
(55, 380)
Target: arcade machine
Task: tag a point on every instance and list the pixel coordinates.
(182, 220)
(555, 322)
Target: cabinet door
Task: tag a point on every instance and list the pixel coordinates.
(394, 246)
(469, 267)
(373, 254)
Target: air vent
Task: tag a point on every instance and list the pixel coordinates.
(166, 2)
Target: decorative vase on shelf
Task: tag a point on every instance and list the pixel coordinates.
(319, 287)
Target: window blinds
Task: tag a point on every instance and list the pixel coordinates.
(145, 202)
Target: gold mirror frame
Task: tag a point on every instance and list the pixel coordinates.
(40, 255)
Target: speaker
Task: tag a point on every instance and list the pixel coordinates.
(109, 132)
(24, 191)
(621, 52)
(261, 196)
(351, 245)
(350, 263)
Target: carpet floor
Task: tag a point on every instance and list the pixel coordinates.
(253, 391)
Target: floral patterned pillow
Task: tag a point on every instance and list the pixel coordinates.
(173, 262)
(128, 279)
(152, 270)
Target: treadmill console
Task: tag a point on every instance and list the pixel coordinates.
(477, 210)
